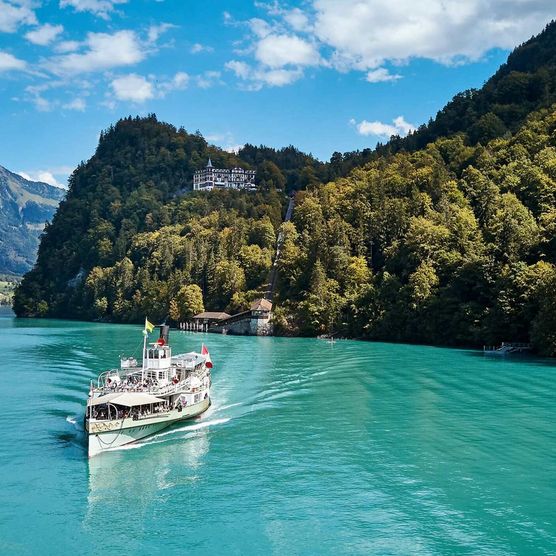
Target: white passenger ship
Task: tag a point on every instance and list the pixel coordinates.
(133, 402)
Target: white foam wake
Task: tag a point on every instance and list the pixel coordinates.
(195, 427)
(156, 438)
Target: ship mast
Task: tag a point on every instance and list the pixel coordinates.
(145, 334)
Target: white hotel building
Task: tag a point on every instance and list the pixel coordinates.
(221, 178)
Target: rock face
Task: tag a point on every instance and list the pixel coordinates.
(25, 207)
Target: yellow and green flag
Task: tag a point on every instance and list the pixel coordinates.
(149, 327)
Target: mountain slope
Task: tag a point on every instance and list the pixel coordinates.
(130, 228)
(25, 206)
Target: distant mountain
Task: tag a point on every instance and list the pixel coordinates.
(25, 207)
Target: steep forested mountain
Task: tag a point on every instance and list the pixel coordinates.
(25, 207)
(127, 238)
(451, 241)
(450, 244)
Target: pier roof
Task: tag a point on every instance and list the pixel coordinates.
(261, 305)
(213, 315)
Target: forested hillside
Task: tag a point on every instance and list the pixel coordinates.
(450, 243)
(127, 241)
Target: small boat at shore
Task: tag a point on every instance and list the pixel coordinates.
(507, 348)
(133, 402)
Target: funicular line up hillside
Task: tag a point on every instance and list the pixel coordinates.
(257, 320)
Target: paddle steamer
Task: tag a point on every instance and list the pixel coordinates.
(136, 401)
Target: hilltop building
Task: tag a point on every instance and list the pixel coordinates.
(223, 178)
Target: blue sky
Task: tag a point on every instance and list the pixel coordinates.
(324, 75)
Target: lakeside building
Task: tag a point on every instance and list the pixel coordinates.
(223, 178)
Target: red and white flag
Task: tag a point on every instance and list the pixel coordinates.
(208, 360)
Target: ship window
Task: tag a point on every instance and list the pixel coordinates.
(196, 398)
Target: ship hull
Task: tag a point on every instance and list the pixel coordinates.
(104, 436)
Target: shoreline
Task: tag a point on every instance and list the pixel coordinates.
(471, 347)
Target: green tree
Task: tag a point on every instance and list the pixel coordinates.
(188, 302)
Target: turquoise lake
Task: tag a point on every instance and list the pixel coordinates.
(308, 448)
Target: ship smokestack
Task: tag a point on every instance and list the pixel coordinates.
(164, 333)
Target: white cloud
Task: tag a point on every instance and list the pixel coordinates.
(103, 51)
(44, 35)
(398, 127)
(260, 27)
(67, 46)
(366, 33)
(256, 78)
(381, 75)
(155, 31)
(77, 104)
(277, 77)
(208, 79)
(133, 87)
(139, 89)
(297, 20)
(198, 48)
(9, 62)
(13, 14)
(180, 80)
(100, 8)
(45, 176)
(234, 149)
(276, 51)
(241, 69)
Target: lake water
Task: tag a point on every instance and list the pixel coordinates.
(309, 448)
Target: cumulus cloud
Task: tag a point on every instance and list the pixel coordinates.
(365, 33)
(381, 75)
(67, 46)
(380, 129)
(9, 62)
(133, 87)
(45, 176)
(44, 35)
(256, 78)
(100, 8)
(13, 15)
(241, 69)
(279, 58)
(155, 31)
(276, 51)
(138, 89)
(297, 19)
(102, 51)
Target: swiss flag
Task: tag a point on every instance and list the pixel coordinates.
(208, 360)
